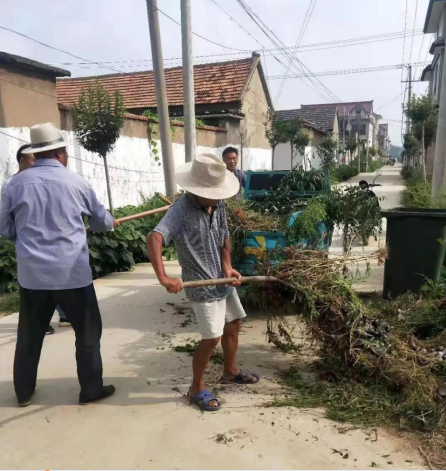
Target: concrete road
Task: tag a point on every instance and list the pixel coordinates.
(148, 424)
(390, 197)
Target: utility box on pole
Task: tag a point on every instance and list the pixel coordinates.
(188, 81)
(161, 98)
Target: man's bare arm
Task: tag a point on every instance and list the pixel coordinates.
(155, 252)
(226, 263)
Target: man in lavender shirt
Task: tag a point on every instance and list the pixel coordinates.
(230, 158)
(26, 161)
(43, 209)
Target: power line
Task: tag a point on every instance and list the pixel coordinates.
(237, 23)
(413, 35)
(304, 48)
(199, 35)
(303, 28)
(388, 102)
(57, 49)
(315, 83)
(265, 30)
(348, 71)
(419, 57)
(300, 66)
(405, 29)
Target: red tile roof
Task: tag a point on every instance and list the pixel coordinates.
(221, 82)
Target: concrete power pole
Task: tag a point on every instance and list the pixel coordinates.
(161, 98)
(188, 81)
(409, 97)
(438, 176)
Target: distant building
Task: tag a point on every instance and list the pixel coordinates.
(27, 91)
(324, 121)
(358, 119)
(324, 116)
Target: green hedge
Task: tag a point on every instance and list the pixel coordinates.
(8, 266)
(109, 251)
(417, 193)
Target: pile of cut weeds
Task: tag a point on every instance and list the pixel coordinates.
(383, 363)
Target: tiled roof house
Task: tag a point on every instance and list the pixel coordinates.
(325, 117)
(226, 93)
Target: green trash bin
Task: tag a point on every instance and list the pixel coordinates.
(416, 244)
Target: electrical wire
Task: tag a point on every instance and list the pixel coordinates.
(57, 49)
(388, 102)
(265, 51)
(413, 35)
(196, 34)
(302, 31)
(318, 86)
(237, 23)
(348, 71)
(405, 29)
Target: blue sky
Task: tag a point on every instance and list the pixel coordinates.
(117, 30)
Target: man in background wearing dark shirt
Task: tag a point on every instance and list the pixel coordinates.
(230, 158)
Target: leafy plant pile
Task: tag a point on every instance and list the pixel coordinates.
(353, 210)
(397, 347)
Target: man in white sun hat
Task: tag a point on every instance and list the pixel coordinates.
(197, 225)
(42, 209)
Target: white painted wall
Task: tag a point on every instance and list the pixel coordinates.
(282, 158)
(137, 171)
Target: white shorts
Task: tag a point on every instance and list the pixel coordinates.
(212, 317)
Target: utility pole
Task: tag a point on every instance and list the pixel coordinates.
(409, 68)
(188, 81)
(161, 98)
(438, 176)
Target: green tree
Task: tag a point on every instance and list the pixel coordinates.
(276, 132)
(327, 151)
(411, 146)
(98, 118)
(422, 114)
(280, 131)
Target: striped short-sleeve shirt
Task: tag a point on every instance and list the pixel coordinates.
(198, 237)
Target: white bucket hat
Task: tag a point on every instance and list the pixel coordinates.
(45, 137)
(206, 176)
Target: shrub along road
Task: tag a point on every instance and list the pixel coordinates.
(148, 423)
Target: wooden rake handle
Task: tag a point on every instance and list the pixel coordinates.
(144, 214)
(229, 281)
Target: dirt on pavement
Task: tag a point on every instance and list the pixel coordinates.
(148, 423)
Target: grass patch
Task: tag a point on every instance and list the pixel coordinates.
(10, 302)
(344, 402)
(217, 356)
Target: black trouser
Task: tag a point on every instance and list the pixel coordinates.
(36, 309)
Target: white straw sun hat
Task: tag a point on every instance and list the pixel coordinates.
(206, 176)
(45, 137)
